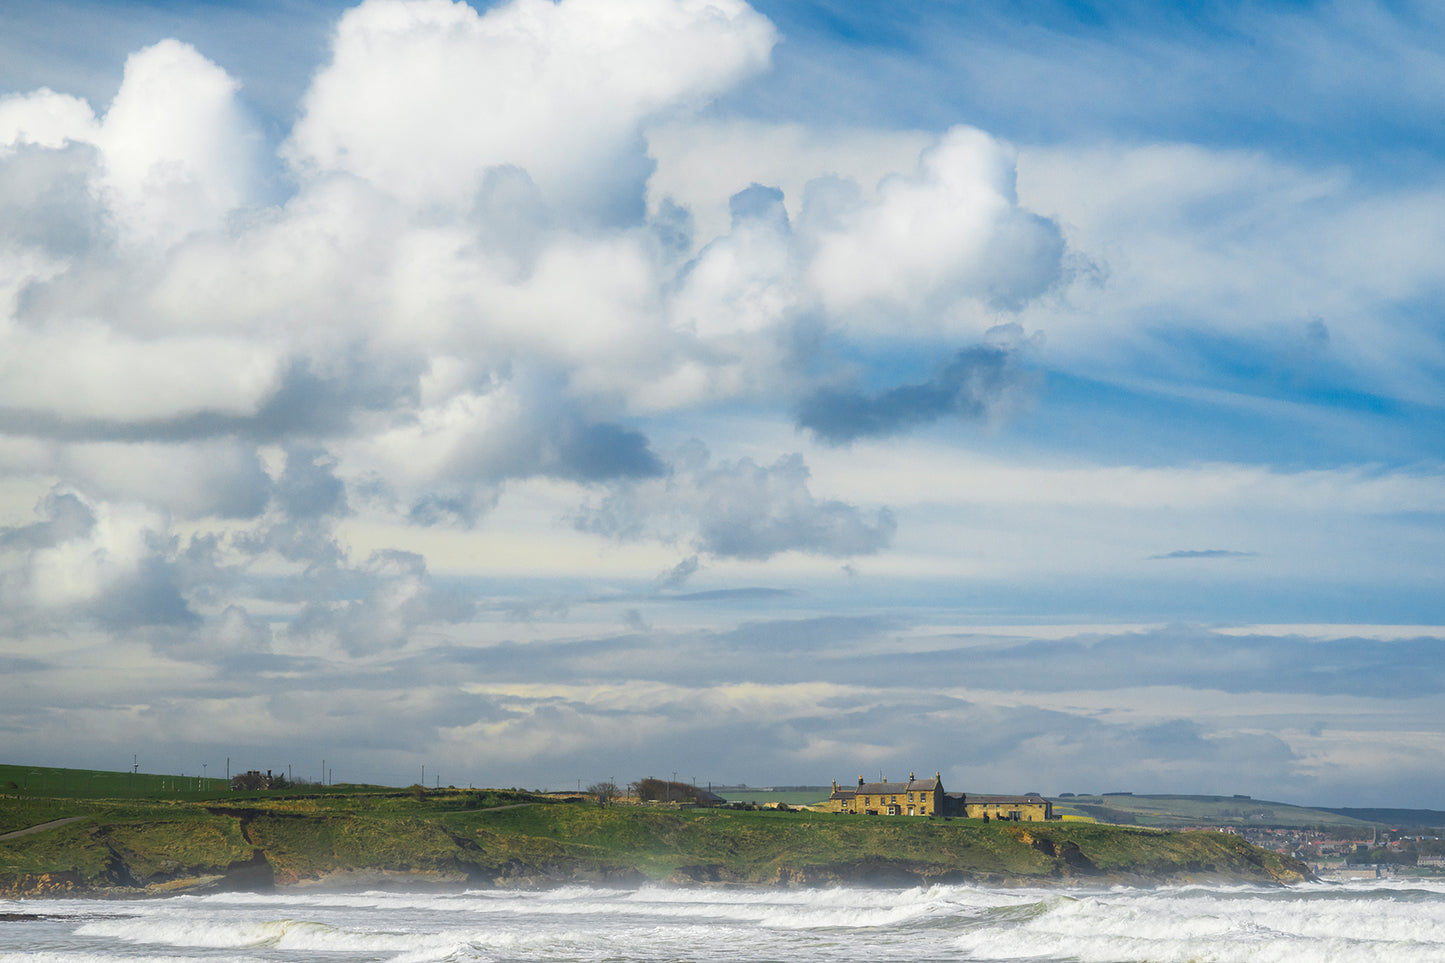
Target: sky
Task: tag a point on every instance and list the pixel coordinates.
(1046, 394)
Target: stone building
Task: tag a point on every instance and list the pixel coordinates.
(1025, 809)
(251, 781)
(926, 797)
(916, 797)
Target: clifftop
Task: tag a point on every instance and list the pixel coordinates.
(477, 839)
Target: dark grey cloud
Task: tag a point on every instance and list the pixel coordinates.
(673, 227)
(13, 665)
(306, 404)
(807, 635)
(756, 512)
(397, 596)
(752, 594)
(150, 596)
(306, 501)
(463, 506)
(759, 203)
(970, 387)
(308, 487)
(1024, 259)
(739, 509)
(65, 517)
(549, 434)
(677, 576)
(46, 200)
(601, 452)
(1204, 553)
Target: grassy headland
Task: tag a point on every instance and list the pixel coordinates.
(373, 837)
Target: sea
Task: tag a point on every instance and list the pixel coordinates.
(1352, 922)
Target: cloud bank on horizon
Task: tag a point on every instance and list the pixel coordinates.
(551, 391)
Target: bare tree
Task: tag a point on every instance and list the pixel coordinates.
(603, 792)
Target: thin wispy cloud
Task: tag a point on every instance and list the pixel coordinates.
(1204, 553)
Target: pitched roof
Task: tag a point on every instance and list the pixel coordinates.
(894, 788)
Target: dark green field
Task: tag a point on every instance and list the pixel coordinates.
(93, 784)
(165, 840)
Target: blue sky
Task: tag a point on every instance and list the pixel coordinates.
(1047, 394)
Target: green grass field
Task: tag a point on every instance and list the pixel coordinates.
(92, 784)
(1174, 812)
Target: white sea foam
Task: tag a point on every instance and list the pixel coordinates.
(70, 956)
(1394, 921)
(1368, 924)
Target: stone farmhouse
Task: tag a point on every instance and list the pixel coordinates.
(926, 797)
(251, 781)
(916, 797)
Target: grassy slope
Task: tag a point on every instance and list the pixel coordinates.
(769, 847)
(488, 837)
(96, 784)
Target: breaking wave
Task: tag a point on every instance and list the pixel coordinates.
(1343, 923)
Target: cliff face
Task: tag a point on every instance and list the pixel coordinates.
(532, 845)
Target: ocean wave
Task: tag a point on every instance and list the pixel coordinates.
(1331, 923)
(1201, 926)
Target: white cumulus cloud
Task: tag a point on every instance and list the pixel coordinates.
(177, 150)
(423, 97)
